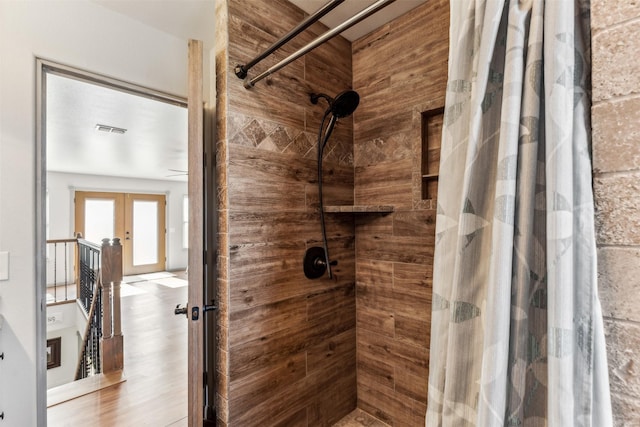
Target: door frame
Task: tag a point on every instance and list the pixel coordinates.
(195, 328)
(44, 67)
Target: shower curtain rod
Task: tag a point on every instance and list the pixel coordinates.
(364, 13)
(242, 69)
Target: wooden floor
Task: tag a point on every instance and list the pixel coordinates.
(155, 345)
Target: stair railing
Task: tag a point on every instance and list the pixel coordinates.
(89, 359)
(100, 276)
(89, 297)
(62, 272)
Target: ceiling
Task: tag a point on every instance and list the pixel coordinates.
(350, 7)
(186, 19)
(155, 141)
(196, 18)
(154, 145)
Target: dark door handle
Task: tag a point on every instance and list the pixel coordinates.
(195, 311)
(180, 310)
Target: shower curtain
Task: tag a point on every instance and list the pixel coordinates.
(517, 334)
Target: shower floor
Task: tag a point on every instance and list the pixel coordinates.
(359, 418)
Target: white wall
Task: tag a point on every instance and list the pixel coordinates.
(61, 211)
(67, 325)
(87, 36)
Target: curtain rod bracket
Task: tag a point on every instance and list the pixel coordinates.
(241, 71)
(248, 84)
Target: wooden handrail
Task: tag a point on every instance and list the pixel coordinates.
(73, 240)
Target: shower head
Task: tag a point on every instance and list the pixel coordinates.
(343, 105)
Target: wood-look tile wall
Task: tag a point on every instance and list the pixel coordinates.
(400, 70)
(287, 344)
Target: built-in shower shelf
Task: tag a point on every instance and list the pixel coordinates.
(359, 209)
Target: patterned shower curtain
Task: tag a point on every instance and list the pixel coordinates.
(517, 333)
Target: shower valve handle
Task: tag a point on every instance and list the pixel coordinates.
(315, 262)
(319, 262)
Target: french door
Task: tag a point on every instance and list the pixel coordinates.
(137, 219)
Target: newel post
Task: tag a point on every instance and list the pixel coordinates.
(116, 279)
(106, 272)
(113, 341)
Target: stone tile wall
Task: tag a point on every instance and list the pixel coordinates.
(616, 165)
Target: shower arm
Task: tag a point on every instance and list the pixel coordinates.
(314, 97)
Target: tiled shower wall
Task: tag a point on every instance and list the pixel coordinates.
(287, 343)
(400, 70)
(616, 165)
(388, 75)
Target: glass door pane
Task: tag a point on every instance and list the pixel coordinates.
(145, 232)
(99, 220)
(145, 228)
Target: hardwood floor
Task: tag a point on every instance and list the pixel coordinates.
(155, 348)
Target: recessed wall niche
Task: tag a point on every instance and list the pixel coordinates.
(431, 136)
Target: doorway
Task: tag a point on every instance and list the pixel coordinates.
(141, 184)
(137, 219)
